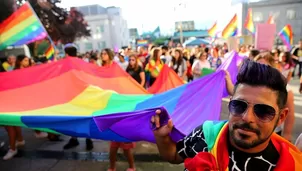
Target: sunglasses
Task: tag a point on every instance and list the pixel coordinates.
(263, 112)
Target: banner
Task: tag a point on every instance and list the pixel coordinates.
(265, 36)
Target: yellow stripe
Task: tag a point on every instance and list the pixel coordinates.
(214, 149)
(90, 100)
(18, 28)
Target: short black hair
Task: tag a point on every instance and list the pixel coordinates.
(165, 48)
(71, 51)
(255, 74)
(254, 52)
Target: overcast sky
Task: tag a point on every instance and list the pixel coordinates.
(148, 14)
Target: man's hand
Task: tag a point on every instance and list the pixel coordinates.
(163, 131)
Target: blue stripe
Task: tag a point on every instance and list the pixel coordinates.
(29, 37)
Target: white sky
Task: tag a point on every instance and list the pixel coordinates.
(146, 15)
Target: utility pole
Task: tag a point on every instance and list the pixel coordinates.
(181, 6)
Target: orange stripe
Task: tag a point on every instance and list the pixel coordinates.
(14, 21)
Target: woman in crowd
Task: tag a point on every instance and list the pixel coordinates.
(107, 57)
(287, 67)
(154, 66)
(214, 59)
(14, 132)
(199, 64)
(178, 64)
(135, 70)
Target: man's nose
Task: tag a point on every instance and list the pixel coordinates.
(249, 115)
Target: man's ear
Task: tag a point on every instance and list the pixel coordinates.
(283, 115)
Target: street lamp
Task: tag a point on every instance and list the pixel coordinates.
(182, 6)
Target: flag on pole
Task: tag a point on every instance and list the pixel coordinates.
(249, 24)
(50, 52)
(213, 30)
(231, 29)
(286, 34)
(271, 20)
(22, 27)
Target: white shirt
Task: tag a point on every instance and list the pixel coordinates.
(198, 66)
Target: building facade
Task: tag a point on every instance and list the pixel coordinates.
(283, 11)
(108, 28)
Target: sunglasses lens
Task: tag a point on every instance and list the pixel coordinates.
(264, 112)
(237, 107)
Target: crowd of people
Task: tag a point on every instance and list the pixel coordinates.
(145, 64)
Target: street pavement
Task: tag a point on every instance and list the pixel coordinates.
(43, 155)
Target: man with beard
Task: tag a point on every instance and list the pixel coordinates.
(247, 141)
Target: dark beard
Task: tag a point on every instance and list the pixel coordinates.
(242, 144)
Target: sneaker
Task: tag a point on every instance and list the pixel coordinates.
(10, 154)
(73, 142)
(41, 135)
(89, 144)
(20, 143)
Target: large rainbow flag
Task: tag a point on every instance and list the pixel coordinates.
(78, 99)
(213, 30)
(22, 27)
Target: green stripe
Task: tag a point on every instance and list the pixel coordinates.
(11, 120)
(121, 103)
(18, 36)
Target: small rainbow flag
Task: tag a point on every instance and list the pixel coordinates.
(249, 24)
(286, 34)
(142, 42)
(213, 30)
(22, 27)
(231, 29)
(50, 53)
(271, 20)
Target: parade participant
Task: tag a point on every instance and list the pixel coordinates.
(178, 64)
(297, 56)
(93, 59)
(154, 66)
(253, 53)
(122, 62)
(10, 63)
(71, 51)
(299, 142)
(165, 57)
(135, 70)
(142, 55)
(287, 67)
(247, 141)
(14, 132)
(214, 59)
(107, 57)
(199, 64)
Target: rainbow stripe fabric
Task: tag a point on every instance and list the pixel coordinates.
(213, 30)
(22, 27)
(50, 52)
(249, 24)
(79, 99)
(231, 29)
(286, 34)
(142, 42)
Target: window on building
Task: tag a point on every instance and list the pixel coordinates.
(258, 16)
(104, 44)
(275, 14)
(291, 14)
(88, 46)
(102, 28)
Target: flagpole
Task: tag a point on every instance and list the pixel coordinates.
(50, 40)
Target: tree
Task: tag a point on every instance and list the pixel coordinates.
(60, 24)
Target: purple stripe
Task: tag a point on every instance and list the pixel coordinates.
(30, 37)
(135, 126)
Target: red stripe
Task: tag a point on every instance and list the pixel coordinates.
(21, 14)
(20, 78)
